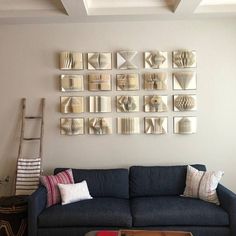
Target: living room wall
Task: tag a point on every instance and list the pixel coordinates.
(29, 68)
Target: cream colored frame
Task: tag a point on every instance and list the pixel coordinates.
(184, 80)
(71, 83)
(100, 125)
(155, 60)
(127, 103)
(99, 82)
(155, 81)
(70, 104)
(127, 82)
(99, 61)
(155, 103)
(99, 104)
(184, 59)
(156, 125)
(128, 125)
(71, 60)
(185, 125)
(185, 102)
(72, 126)
(125, 59)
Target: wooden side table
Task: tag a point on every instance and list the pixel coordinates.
(13, 216)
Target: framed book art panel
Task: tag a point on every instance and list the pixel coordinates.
(128, 125)
(127, 82)
(72, 104)
(99, 82)
(72, 83)
(72, 126)
(71, 61)
(100, 125)
(99, 104)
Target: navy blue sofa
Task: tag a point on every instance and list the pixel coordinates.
(138, 198)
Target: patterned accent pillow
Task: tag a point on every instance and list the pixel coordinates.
(51, 182)
(202, 184)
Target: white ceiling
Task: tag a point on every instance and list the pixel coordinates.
(62, 11)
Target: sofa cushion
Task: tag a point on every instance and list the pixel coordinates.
(95, 212)
(158, 180)
(103, 183)
(176, 211)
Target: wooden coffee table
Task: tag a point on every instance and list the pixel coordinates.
(153, 233)
(137, 233)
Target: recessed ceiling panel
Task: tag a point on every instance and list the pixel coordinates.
(13, 5)
(217, 2)
(127, 3)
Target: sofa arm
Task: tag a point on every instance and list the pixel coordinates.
(228, 202)
(36, 203)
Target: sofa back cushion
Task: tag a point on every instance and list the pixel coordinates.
(148, 181)
(103, 182)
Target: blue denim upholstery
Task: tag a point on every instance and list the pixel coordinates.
(103, 183)
(81, 231)
(154, 203)
(176, 210)
(36, 204)
(95, 212)
(228, 203)
(147, 181)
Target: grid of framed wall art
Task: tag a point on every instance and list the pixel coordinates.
(100, 98)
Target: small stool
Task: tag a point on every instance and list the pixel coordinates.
(13, 216)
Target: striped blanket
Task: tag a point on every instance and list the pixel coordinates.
(27, 176)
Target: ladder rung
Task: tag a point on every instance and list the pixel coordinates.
(33, 117)
(22, 157)
(29, 139)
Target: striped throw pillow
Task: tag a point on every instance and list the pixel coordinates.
(202, 184)
(27, 175)
(51, 183)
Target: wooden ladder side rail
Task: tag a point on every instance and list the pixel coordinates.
(41, 133)
(23, 107)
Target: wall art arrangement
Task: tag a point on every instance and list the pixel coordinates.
(145, 90)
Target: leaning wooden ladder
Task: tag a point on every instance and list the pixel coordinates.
(28, 170)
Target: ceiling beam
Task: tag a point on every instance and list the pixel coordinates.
(186, 6)
(75, 8)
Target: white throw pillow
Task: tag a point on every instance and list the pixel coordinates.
(74, 192)
(202, 184)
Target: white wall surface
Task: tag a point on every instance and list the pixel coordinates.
(29, 68)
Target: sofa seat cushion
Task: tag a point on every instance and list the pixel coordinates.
(94, 212)
(176, 211)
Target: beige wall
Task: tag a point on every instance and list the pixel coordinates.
(29, 68)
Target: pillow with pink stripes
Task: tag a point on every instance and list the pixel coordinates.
(51, 183)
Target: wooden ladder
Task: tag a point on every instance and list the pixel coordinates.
(28, 170)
